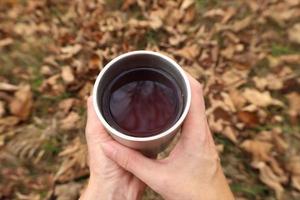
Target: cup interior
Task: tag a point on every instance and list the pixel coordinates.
(133, 61)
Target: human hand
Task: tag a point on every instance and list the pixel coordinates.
(107, 179)
(192, 171)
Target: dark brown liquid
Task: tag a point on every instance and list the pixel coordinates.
(143, 102)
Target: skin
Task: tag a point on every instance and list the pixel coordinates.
(192, 171)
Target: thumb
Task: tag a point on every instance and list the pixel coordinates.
(131, 160)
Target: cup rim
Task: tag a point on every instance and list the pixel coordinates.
(149, 138)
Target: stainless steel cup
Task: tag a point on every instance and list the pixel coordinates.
(153, 144)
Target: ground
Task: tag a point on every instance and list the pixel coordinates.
(245, 53)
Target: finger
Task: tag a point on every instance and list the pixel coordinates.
(95, 131)
(132, 161)
(195, 125)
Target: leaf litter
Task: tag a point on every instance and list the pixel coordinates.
(246, 55)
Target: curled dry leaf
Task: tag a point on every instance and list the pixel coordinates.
(230, 133)
(268, 177)
(69, 191)
(186, 4)
(294, 104)
(70, 51)
(70, 122)
(67, 74)
(259, 150)
(22, 103)
(9, 121)
(261, 99)
(250, 119)
(189, 52)
(242, 24)
(66, 105)
(293, 166)
(8, 87)
(6, 42)
(2, 109)
(294, 33)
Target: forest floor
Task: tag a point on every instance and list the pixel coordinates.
(246, 53)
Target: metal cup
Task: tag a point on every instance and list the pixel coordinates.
(153, 144)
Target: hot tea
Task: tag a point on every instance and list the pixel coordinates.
(142, 102)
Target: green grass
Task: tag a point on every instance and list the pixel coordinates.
(52, 147)
(279, 49)
(250, 191)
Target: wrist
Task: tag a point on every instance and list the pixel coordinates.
(97, 190)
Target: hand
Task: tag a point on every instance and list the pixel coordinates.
(107, 179)
(192, 171)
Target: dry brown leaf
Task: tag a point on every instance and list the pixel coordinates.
(22, 104)
(6, 42)
(228, 15)
(9, 121)
(46, 70)
(214, 13)
(230, 134)
(67, 74)
(293, 166)
(189, 52)
(260, 99)
(8, 87)
(260, 150)
(186, 4)
(2, 109)
(127, 4)
(66, 105)
(294, 33)
(95, 62)
(69, 191)
(86, 90)
(268, 177)
(250, 119)
(70, 51)
(74, 162)
(294, 104)
(238, 100)
(242, 24)
(70, 122)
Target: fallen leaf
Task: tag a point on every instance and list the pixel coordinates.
(70, 51)
(294, 104)
(268, 177)
(260, 99)
(186, 4)
(294, 33)
(259, 150)
(189, 52)
(8, 87)
(66, 105)
(46, 70)
(9, 121)
(69, 191)
(22, 104)
(70, 122)
(230, 134)
(2, 109)
(67, 74)
(214, 13)
(242, 24)
(127, 4)
(238, 100)
(293, 166)
(6, 42)
(250, 119)
(86, 90)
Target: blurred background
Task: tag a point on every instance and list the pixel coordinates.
(246, 53)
